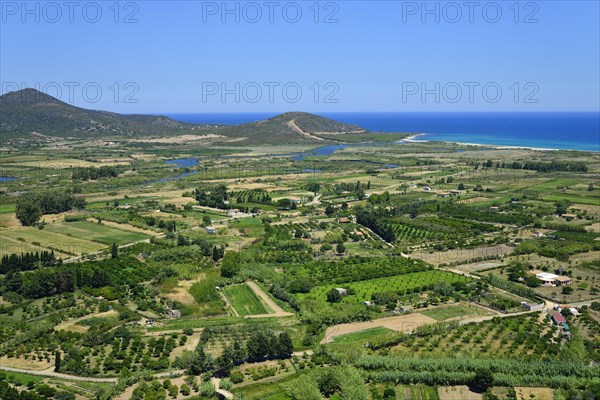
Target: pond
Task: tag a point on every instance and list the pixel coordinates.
(7, 179)
(183, 162)
(180, 163)
(330, 149)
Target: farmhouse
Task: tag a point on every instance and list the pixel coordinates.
(342, 291)
(531, 306)
(563, 280)
(569, 216)
(295, 200)
(426, 188)
(550, 279)
(233, 211)
(210, 230)
(558, 319)
(174, 314)
(344, 220)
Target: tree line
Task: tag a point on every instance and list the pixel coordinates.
(94, 173)
(30, 207)
(27, 261)
(68, 277)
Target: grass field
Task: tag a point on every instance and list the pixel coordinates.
(22, 379)
(267, 390)
(591, 199)
(364, 289)
(417, 392)
(444, 313)
(95, 232)
(52, 240)
(7, 208)
(362, 335)
(244, 300)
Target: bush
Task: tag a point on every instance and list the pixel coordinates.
(226, 384)
(483, 380)
(207, 389)
(237, 377)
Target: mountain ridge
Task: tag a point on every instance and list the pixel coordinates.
(30, 112)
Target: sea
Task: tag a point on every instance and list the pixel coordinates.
(543, 130)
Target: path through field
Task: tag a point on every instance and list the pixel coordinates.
(279, 312)
(52, 374)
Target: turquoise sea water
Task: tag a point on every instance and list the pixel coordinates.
(548, 130)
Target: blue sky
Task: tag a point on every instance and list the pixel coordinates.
(350, 56)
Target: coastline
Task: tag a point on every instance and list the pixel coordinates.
(412, 139)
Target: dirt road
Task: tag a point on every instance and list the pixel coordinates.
(278, 311)
(50, 373)
(400, 323)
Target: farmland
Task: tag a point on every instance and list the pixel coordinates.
(96, 232)
(245, 301)
(424, 281)
(417, 281)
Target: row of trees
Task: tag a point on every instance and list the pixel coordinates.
(27, 261)
(32, 206)
(94, 173)
(68, 277)
(372, 219)
(261, 345)
(259, 196)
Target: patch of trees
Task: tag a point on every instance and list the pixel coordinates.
(573, 166)
(380, 198)
(260, 345)
(512, 287)
(259, 196)
(32, 206)
(358, 188)
(94, 173)
(351, 269)
(332, 383)
(559, 249)
(372, 219)
(66, 278)
(212, 196)
(27, 261)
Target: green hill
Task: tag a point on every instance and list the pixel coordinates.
(28, 111)
(290, 127)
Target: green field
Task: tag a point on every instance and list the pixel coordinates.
(364, 289)
(95, 232)
(575, 198)
(73, 245)
(245, 301)
(418, 392)
(362, 335)
(444, 313)
(7, 208)
(22, 379)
